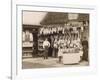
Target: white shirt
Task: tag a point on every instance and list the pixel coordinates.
(55, 44)
(46, 43)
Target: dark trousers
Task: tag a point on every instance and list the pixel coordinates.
(85, 54)
(45, 54)
(55, 51)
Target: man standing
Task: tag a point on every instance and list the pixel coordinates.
(46, 46)
(55, 48)
(85, 49)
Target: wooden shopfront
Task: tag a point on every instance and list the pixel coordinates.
(54, 25)
(30, 40)
(63, 24)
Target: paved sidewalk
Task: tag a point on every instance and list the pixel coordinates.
(30, 63)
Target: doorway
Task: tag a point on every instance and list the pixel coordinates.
(35, 42)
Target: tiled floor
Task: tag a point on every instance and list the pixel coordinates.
(30, 63)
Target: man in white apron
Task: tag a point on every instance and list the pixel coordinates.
(46, 46)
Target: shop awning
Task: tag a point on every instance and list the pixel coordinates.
(30, 26)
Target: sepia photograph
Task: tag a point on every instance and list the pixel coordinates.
(54, 39)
